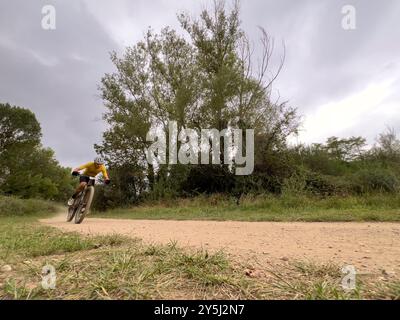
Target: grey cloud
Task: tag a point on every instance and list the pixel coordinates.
(323, 60)
(56, 73)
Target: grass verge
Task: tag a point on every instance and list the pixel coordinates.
(15, 207)
(268, 208)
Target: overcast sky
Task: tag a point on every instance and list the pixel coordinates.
(343, 82)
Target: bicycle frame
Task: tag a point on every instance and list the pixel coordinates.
(80, 208)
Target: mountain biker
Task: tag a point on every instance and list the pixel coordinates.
(91, 169)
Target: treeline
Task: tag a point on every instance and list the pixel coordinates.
(347, 166)
(207, 77)
(339, 167)
(27, 169)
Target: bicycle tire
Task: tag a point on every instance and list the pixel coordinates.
(79, 215)
(72, 209)
(70, 213)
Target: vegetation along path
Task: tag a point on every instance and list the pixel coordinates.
(372, 247)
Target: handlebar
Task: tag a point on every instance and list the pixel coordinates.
(77, 174)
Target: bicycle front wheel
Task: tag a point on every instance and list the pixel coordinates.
(84, 206)
(71, 213)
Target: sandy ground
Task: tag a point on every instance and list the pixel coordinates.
(370, 247)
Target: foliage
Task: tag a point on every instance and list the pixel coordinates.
(17, 126)
(376, 179)
(204, 80)
(12, 206)
(26, 168)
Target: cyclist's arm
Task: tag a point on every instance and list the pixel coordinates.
(80, 168)
(105, 173)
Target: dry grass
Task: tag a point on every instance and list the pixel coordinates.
(115, 267)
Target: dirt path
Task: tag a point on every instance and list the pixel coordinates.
(371, 247)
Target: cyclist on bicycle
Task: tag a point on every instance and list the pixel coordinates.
(91, 169)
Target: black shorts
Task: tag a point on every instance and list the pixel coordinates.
(86, 179)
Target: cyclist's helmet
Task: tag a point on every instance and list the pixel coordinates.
(99, 160)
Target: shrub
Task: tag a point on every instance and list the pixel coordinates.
(304, 181)
(295, 184)
(324, 185)
(377, 179)
(12, 206)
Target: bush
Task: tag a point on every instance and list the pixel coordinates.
(376, 179)
(12, 206)
(304, 182)
(324, 185)
(208, 179)
(106, 198)
(295, 184)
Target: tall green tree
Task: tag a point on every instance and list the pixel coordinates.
(26, 168)
(345, 149)
(17, 126)
(206, 79)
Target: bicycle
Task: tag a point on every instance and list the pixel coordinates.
(81, 206)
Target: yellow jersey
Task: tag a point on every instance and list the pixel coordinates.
(92, 171)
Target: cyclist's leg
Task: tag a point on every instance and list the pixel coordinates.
(83, 181)
(80, 187)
